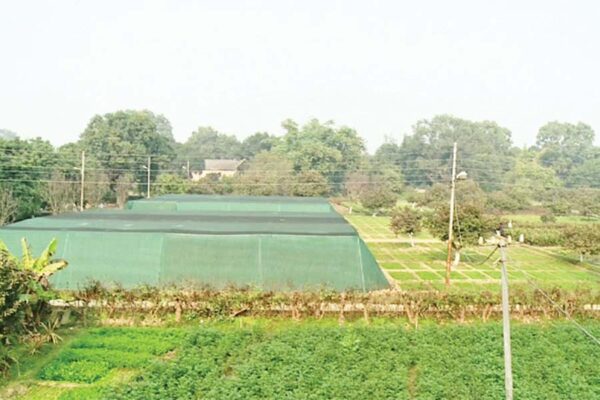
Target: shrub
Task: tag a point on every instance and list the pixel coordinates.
(548, 218)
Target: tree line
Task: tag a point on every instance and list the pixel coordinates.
(313, 159)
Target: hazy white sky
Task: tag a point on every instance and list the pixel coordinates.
(244, 66)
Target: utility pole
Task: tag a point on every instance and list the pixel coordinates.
(148, 168)
(508, 379)
(82, 180)
(188, 169)
(451, 221)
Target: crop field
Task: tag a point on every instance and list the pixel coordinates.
(424, 266)
(277, 359)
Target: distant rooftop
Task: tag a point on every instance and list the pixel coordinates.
(222, 165)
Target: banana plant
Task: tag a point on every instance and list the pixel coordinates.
(43, 266)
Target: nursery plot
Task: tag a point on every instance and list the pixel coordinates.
(423, 266)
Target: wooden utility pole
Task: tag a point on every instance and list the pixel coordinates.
(451, 221)
(508, 379)
(82, 169)
(148, 168)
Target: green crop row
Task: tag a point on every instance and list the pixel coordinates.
(381, 361)
(92, 356)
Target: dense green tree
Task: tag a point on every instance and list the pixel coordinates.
(389, 153)
(587, 174)
(310, 184)
(564, 146)
(207, 143)
(485, 151)
(528, 180)
(26, 166)
(268, 174)
(121, 141)
(257, 143)
(332, 151)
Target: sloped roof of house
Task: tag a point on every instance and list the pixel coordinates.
(222, 165)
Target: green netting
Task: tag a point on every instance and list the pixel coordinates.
(276, 250)
(196, 203)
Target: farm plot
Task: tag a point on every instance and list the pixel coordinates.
(319, 359)
(95, 359)
(424, 266)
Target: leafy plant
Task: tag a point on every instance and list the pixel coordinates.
(406, 220)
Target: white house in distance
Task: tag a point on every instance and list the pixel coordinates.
(219, 168)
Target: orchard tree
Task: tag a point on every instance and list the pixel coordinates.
(585, 239)
(406, 220)
(471, 221)
(377, 198)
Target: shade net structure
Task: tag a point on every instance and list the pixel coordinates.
(268, 243)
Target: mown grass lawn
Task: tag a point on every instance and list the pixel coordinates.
(423, 266)
(282, 359)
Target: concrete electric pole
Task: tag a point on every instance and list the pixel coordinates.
(451, 221)
(82, 169)
(508, 379)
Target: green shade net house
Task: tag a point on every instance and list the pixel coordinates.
(271, 243)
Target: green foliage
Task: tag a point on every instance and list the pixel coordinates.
(564, 146)
(529, 179)
(208, 143)
(8, 206)
(426, 154)
(584, 239)
(92, 356)
(377, 199)
(322, 147)
(76, 371)
(548, 218)
(381, 361)
(548, 234)
(405, 220)
(503, 201)
(470, 223)
(130, 132)
(258, 143)
(268, 174)
(23, 165)
(170, 184)
(24, 292)
(310, 183)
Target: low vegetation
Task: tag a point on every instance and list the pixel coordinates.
(257, 359)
